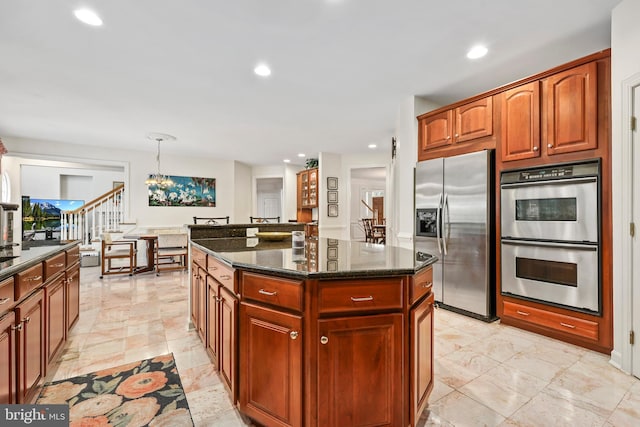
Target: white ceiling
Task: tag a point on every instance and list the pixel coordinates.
(340, 68)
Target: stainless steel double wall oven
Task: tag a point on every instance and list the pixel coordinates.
(550, 235)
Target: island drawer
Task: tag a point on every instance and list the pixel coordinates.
(556, 321)
(6, 294)
(276, 291)
(199, 257)
(54, 265)
(73, 256)
(421, 284)
(28, 280)
(222, 272)
(337, 296)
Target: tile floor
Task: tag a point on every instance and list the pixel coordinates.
(485, 374)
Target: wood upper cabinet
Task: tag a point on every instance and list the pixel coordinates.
(462, 124)
(572, 110)
(345, 375)
(8, 359)
(307, 181)
(520, 131)
(55, 320)
(73, 294)
(31, 345)
(271, 366)
(421, 356)
(566, 109)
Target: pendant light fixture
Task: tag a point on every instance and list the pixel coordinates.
(158, 179)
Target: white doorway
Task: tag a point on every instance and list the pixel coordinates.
(368, 187)
(269, 193)
(635, 245)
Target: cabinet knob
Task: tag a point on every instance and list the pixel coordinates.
(535, 148)
(293, 334)
(324, 340)
(3, 300)
(456, 135)
(26, 319)
(448, 136)
(18, 327)
(549, 145)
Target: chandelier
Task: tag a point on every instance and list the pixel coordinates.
(159, 180)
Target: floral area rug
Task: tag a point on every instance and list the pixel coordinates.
(143, 393)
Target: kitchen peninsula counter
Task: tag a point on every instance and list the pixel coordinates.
(299, 338)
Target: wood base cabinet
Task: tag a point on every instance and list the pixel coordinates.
(271, 366)
(347, 377)
(228, 341)
(421, 356)
(56, 321)
(8, 328)
(31, 341)
(73, 295)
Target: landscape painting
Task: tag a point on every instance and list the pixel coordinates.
(185, 191)
(41, 217)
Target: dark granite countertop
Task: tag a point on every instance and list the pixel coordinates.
(27, 257)
(321, 258)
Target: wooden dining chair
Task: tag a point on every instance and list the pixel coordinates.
(263, 219)
(211, 220)
(121, 252)
(171, 252)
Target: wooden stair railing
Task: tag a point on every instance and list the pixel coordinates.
(102, 214)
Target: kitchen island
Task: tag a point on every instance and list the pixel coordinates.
(337, 333)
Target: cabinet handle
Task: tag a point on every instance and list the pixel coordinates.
(60, 264)
(448, 136)
(4, 301)
(26, 319)
(566, 325)
(362, 299)
(293, 334)
(324, 340)
(34, 278)
(522, 313)
(214, 268)
(549, 145)
(456, 135)
(535, 148)
(427, 285)
(267, 293)
(18, 327)
(225, 277)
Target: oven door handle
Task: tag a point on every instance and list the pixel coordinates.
(576, 245)
(561, 181)
(438, 225)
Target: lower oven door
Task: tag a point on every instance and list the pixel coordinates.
(557, 273)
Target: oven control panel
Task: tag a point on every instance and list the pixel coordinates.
(548, 173)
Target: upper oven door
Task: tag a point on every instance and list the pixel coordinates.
(560, 210)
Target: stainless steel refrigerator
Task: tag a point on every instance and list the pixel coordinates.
(454, 220)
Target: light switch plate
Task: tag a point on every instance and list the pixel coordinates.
(251, 232)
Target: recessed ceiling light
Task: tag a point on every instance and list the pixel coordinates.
(287, 161)
(301, 154)
(372, 146)
(477, 51)
(262, 70)
(87, 16)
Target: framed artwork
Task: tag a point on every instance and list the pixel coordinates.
(332, 183)
(332, 265)
(333, 210)
(332, 196)
(332, 242)
(185, 191)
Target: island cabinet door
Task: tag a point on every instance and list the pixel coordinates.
(73, 295)
(8, 330)
(228, 344)
(31, 346)
(54, 294)
(271, 366)
(360, 371)
(421, 354)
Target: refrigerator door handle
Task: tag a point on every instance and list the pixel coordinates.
(438, 225)
(445, 222)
